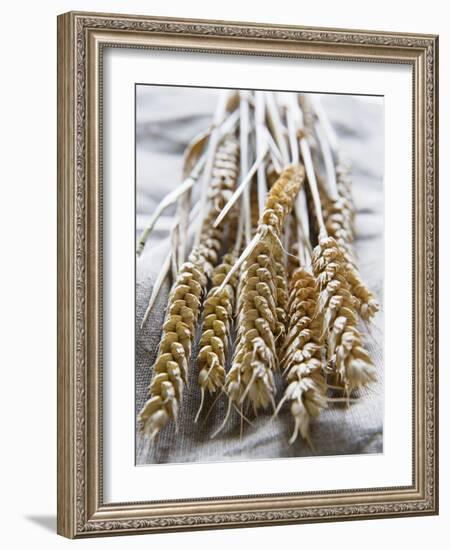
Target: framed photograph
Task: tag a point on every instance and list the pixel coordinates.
(247, 274)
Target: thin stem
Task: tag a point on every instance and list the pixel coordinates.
(244, 132)
(260, 122)
(304, 242)
(325, 121)
(328, 160)
(275, 153)
(293, 142)
(301, 207)
(242, 186)
(168, 262)
(343, 399)
(277, 126)
(240, 233)
(174, 241)
(300, 238)
(245, 254)
(194, 150)
(183, 216)
(168, 200)
(202, 400)
(297, 115)
(286, 237)
(222, 426)
(312, 182)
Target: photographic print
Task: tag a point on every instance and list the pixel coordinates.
(259, 274)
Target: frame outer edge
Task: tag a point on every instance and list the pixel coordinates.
(66, 524)
(75, 482)
(435, 214)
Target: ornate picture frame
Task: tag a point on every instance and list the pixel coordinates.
(82, 38)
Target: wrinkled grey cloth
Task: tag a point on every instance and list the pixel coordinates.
(167, 119)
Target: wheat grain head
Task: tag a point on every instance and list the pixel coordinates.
(184, 302)
(367, 303)
(339, 215)
(171, 365)
(337, 308)
(224, 173)
(338, 224)
(216, 330)
(344, 187)
(302, 354)
(309, 120)
(262, 300)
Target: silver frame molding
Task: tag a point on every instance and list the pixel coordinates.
(81, 39)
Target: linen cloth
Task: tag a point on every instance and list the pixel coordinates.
(167, 119)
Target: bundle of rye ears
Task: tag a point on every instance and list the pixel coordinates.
(262, 266)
